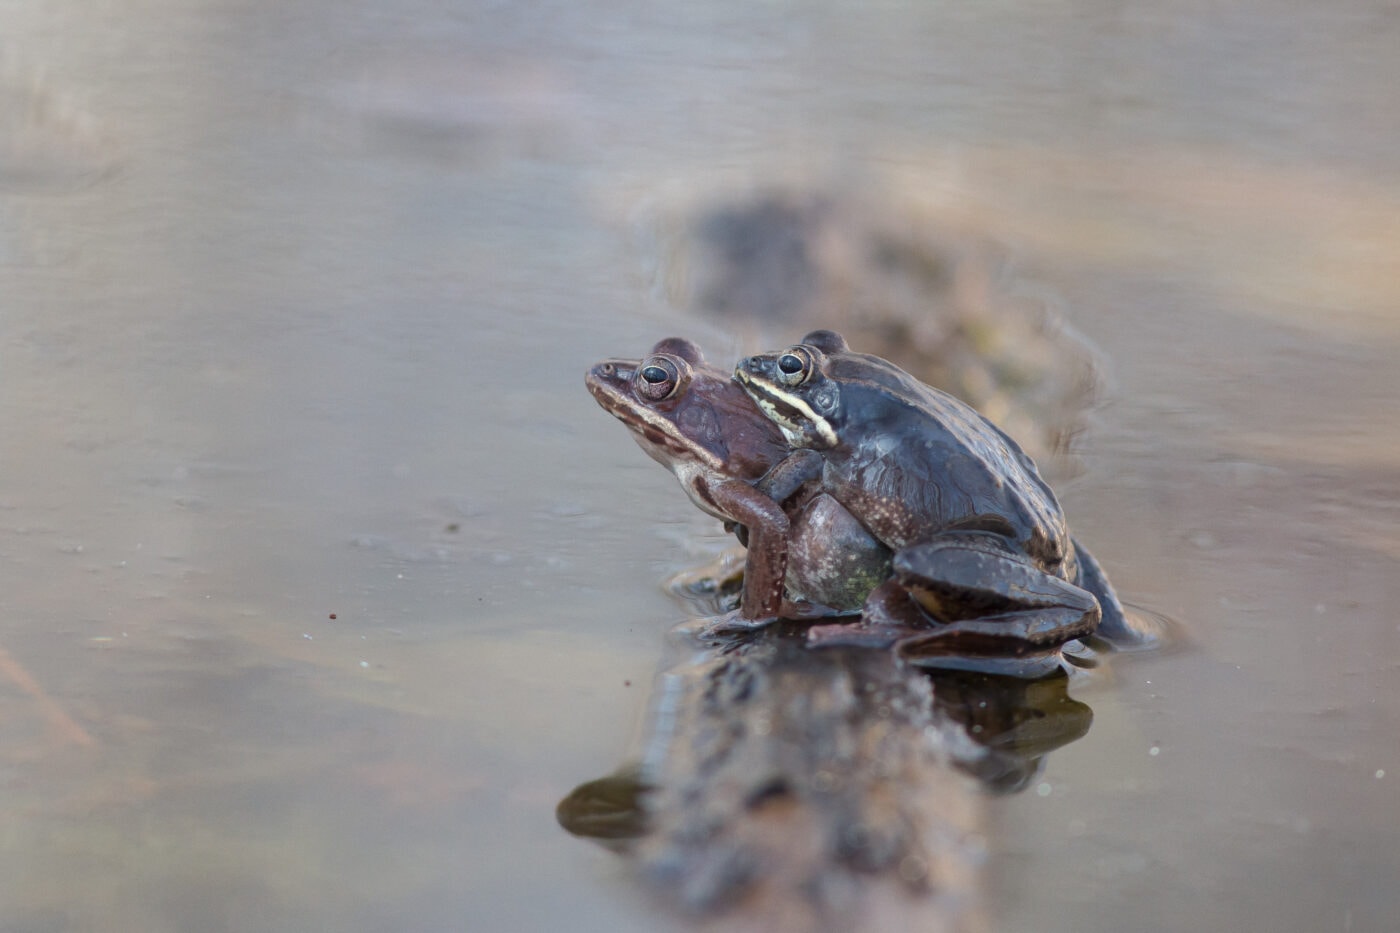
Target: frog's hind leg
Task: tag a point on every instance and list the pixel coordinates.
(927, 651)
(1020, 643)
(1114, 626)
(968, 601)
(962, 577)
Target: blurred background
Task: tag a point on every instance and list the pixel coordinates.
(324, 579)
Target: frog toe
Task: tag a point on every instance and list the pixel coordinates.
(852, 635)
(731, 624)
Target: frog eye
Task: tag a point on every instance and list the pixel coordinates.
(658, 378)
(794, 366)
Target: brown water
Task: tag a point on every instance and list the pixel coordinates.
(295, 300)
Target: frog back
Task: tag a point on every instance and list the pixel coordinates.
(915, 462)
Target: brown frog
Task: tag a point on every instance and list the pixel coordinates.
(807, 556)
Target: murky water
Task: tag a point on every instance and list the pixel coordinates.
(295, 300)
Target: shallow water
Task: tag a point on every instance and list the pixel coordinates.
(295, 302)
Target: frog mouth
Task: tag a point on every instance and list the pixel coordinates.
(655, 433)
(791, 413)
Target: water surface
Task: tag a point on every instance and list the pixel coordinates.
(295, 302)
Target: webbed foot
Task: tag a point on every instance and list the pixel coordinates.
(733, 623)
(989, 599)
(890, 614)
(1116, 627)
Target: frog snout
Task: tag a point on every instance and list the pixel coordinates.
(751, 366)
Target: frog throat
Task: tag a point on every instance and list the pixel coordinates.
(656, 431)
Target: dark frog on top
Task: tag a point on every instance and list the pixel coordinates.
(980, 542)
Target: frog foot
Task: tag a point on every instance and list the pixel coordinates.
(851, 635)
(1118, 629)
(990, 599)
(1026, 662)
(733, 623)
(1012, 634)
(890, 614)
(800, 610)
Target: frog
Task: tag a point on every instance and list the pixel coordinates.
(806, 556)
(983, 559)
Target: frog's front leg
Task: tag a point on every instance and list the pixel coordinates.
(781, 483)
(789, 475)
(988, 600)
(765, 564)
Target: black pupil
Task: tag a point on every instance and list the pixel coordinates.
(655, 375)
(790, 363)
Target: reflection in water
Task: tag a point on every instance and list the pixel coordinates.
(279, 277)
(1015, 723)
(815, 783)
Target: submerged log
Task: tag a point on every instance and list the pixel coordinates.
(783, 788)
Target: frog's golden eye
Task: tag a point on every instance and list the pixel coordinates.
(794, 366)
(659, 378)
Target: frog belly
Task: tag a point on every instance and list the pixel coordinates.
(832, 559)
